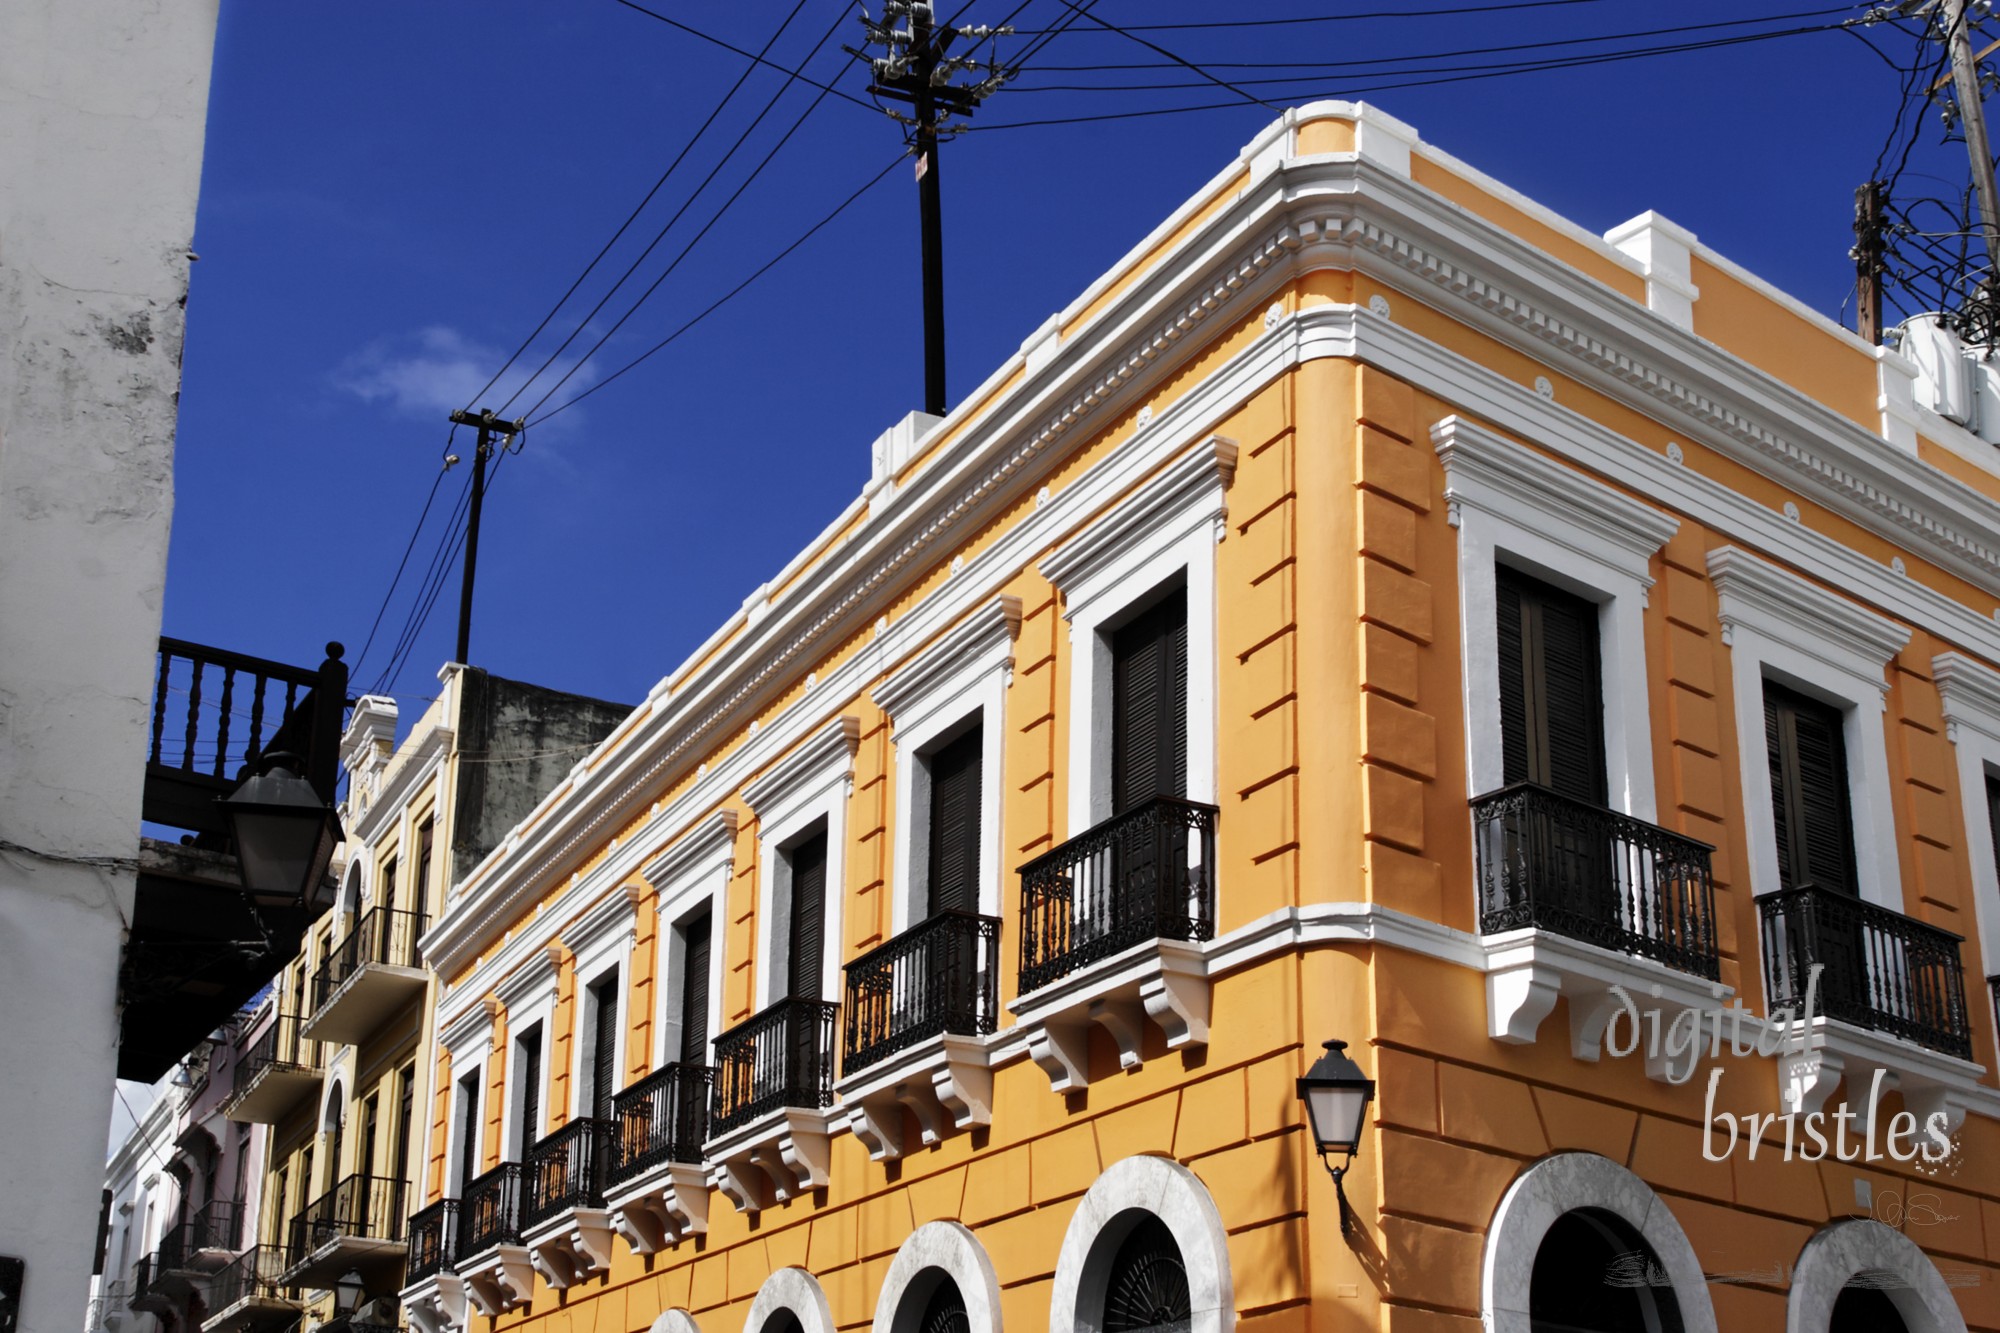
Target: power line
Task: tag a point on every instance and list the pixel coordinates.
(710, 224)
(1468, 74)
(688, 203)
(1452, 11)
(731, 295)
(1161, 50)
(717, 41)
(409, 546)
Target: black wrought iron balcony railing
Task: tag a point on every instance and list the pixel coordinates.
(661, 1118)
(1595, 875)
(782, 1057)
(1881, 970)
(213, 1228)
(1146, 874)
(567, 1169)
(940, 975)
(359, 1207)
(143, 1275)
(433, 1240)
(280, 1047)
(381, 936)
(489, 1210)
(256, 1272)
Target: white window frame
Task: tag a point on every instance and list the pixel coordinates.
(692, 874)
(1165, 530)
(1178, 1198)
(600, 945)
(1971, 695)
(1514, 507)
(962, 676)
(810, 784)
(528, 995)
(1783, 629)
(467, 1041)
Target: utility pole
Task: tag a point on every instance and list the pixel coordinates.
(1870, 255)
(917, 71)
(1972, 122)
(489, 426)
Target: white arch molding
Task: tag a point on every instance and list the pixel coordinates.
(1110, 1209)
(674, 1321)
(791, 1289)
(1563, 1183)
(934, 1250)
(1883, 1257)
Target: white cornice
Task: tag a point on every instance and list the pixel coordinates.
(715, 838)
(985, 638)
(827, 753)
(1483, 470)
(534, 977)
(1971, 693)
(1202, 474)
(1327, 211)
(458, 1032)
(618, 908)
(1756, 594)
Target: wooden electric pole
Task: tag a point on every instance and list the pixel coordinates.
(917, 71)
(490, 428)
(1870, 261)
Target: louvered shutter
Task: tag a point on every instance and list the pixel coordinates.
(808, 863)
(531, 1087)
(1149, 705)
(1809, 799)
(468, 1129)
(1551, 688)
(604, 1057)
(1993, 816)
(694, 990)
(954, 849)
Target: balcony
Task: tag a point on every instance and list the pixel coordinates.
(371, 975)
(186, 967)
(773, 1088)
(433, 1295)
(358, 1224)
(1111, 928)
(1576, 900)
(657, 1188)
(563, 1220)
(248, 1295)
(495, 1266)
(1889, 997)
(279, 1069)
(193, 1249)
(917, 1007)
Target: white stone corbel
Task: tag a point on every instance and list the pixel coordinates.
(1177, 998)
(1125, 1021)
(878, 1123)
(1517, 1000)
(1807, 1078)
(964, 1087)
(1062, 1050)
(499, 1280)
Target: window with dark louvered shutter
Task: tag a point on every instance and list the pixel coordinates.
(1993, 815)
(604, 1048)
(1809, 799)
(1149, 704)
(468, 1128)
(808, 905)
(1551, 688)
(694, 990)
(531, 1085)
(954, 838)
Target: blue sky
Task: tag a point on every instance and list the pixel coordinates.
(394, 195)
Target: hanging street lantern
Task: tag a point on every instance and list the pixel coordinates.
(285, 834)
(1336, 1095)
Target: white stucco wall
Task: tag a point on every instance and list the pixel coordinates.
(102, 114)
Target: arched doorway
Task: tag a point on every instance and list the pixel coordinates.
(1147, 1286)
(1595, 1274)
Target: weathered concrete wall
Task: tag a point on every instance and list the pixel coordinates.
(102, 114)
(516, 741)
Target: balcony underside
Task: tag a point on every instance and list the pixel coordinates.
(375, 993)
(367, 1255)
(271, 1093)
(253, 1314)
(195, 956)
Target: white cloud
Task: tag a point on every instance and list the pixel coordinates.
(437, 370)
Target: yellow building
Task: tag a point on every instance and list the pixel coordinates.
(338, 1058)
(1561, 667)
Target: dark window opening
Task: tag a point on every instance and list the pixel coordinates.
(530, 1049)
(1551, 688)
(807, 864)
(694, 989)
(1595, 1274)
(1860, 1309)
(468, 1128)
(1149, 686)
(1809, 797)
(944, 1312)
(604, 1048)
(953, 869)
(1147, 1287)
